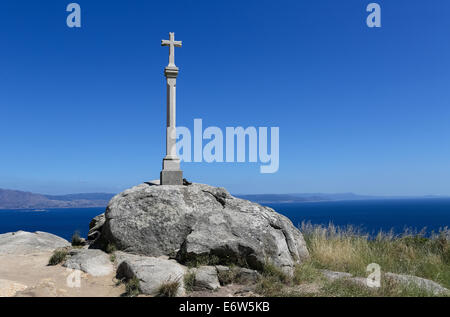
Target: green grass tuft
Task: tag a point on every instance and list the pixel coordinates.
(270, 270)
(57, 257)
(111, 248)
(273, 282)
(76, 239)
(189, 281)
(307, 273)
(229, 276)
(132, 287)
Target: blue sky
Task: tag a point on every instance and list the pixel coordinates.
(360, 110)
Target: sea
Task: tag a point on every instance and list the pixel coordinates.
(369, 216)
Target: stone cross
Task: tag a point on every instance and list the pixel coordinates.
(171, 173)
(171, 44)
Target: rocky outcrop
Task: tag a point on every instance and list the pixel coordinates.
(93, 262)
(200, 222)
(151, 272)
(22, 242)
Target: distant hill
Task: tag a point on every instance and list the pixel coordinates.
(88, 196)
(14, 199)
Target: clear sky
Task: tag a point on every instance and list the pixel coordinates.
(360, 110)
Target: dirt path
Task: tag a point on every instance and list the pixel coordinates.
(29, 275)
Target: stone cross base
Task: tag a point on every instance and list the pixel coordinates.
(171, 177)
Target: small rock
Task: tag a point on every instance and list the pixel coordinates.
(93, 262)
(152, 272)
(222, 269)
(247, 276)
(332, 275)
(225, 274)
(206, 278)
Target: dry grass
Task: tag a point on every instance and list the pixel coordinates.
(189, 281)
(349, 250)
(169, 288)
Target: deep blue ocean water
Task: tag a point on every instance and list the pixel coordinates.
(62, 222)
(369, 215)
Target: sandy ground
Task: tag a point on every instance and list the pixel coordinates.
(29, 275)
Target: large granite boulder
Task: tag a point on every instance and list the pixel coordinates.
(22, 242)
(200, 223)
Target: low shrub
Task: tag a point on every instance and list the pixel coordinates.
(57, 257)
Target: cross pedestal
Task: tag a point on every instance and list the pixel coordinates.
(171, 173)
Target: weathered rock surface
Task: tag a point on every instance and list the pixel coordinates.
(332, 275)
(198, 221)
(151, 272)
(422, 283)
(206, 278)
(22, 242)
(93, 262)
(247, 276)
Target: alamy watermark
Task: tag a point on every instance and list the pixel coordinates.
(73, 279)
(230, 146)
(374, 278)
(74, 18)
(373, 20)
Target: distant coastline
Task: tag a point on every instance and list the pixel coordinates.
(16, 200)
(320, 197)
(21, 200)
